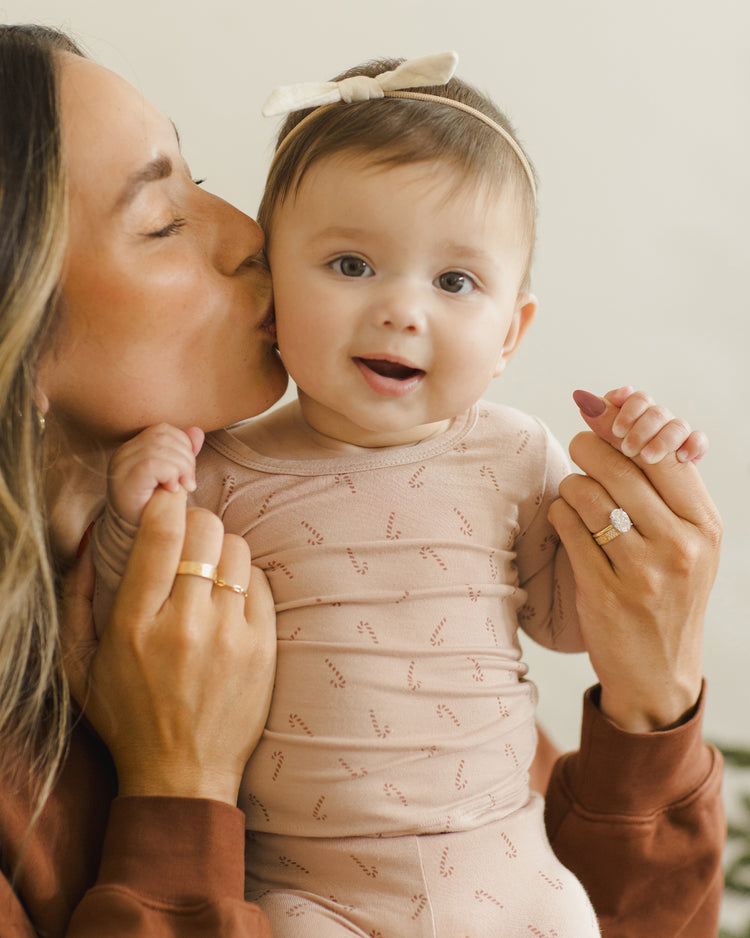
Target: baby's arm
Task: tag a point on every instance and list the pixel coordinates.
(158, 456)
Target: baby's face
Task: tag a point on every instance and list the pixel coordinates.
(397, 296)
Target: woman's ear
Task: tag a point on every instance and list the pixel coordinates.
(41, 401)
(523, 314)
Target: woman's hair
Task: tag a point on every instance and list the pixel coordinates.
(34, 705)
(396, 131)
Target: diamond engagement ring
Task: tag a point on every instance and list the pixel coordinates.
(619, 523)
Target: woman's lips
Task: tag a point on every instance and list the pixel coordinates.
(388, 377)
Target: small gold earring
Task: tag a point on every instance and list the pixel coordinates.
(41, 420)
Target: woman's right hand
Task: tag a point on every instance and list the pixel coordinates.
(180, 683)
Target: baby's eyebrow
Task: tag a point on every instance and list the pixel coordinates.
(158, 168)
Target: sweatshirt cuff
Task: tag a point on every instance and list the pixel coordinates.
(636, 774)
(176, 850)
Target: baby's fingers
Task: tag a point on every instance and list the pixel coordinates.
(694, 448)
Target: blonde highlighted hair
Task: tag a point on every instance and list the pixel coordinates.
(34, 703)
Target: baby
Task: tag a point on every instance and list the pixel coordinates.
(401, 521)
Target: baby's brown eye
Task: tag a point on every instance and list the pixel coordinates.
(352, 266)
(454, 282)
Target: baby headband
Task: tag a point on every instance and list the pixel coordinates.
(430, 70)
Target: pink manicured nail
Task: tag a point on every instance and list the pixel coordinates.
(589, 403)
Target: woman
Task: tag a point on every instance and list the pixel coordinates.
(131, 296)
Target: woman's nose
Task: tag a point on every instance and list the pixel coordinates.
(238, 238)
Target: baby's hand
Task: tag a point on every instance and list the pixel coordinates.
(650, 431)
(158, 456)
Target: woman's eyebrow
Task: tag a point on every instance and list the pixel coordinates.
(158, 168)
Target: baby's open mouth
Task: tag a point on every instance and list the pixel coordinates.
(389, 369)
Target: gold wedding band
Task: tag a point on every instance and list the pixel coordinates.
(619, 523)
(223, 585)
(206, 571)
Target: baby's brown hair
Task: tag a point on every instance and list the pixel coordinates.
(394, 131)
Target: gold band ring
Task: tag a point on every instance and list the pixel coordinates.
(206, 571)
(619, 523)
(223, 585)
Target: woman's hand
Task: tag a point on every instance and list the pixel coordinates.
(179, 685)
(642, 596)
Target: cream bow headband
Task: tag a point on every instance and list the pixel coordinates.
(414, 73)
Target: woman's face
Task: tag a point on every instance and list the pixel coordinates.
(166, 312)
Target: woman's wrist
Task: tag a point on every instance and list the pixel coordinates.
(179, 781)
(658, 709)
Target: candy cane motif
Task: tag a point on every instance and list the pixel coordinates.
(487, 472)
(318, 809)
(445, 869)
(477, 674)
(314, 538)
(482, 896)
(380, 732)
(554, 883)
(279, 757)
(393, 792)
(343, 478)
(444, 711)
(435, 638)
(338, 680)
(355, 773)
(252, 800)
(264, 505)
(510, 850)
(413, 685)
(415, 482)
(292, 864)
(295, 720)
(465, 526)
(371, 871)
(364, 628)
(359, 566)
(427, 553)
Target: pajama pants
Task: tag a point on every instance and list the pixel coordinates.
(499, 880)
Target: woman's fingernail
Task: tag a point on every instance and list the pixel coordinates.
(589, 403)
(84, 540)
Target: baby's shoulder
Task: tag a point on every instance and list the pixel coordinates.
(509, 424)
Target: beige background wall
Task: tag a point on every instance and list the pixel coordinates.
(637, 118)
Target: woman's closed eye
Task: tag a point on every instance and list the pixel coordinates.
(349, 265)
(169, 229)
(456, 282)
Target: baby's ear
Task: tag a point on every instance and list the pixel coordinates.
(523, 315)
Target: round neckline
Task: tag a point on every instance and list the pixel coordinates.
(360, 459)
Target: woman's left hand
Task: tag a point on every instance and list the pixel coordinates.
(642, 596)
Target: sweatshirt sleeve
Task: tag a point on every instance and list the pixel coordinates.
(170, 868)
(639, 819)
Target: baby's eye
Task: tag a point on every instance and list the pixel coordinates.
(351, 266)
(453, 281)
